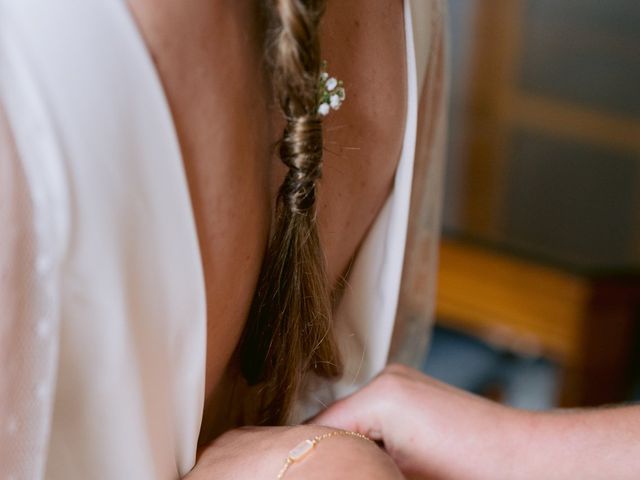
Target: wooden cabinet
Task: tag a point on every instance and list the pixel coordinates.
(544, 176)
(586, 324)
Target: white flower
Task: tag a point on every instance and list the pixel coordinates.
(323, 109)
(330, 94)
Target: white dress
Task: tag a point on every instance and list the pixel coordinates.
(103, 359)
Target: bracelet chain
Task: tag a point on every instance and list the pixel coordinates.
(303, 448)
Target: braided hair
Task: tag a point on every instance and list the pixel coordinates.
(289, 330)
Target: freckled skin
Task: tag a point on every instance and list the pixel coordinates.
(227, 125)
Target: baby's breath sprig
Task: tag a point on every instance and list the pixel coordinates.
(331, 92)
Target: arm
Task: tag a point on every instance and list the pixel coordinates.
(435, 431)
(601, 443)
(260, 452)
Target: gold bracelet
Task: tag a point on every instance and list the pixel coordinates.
(300, 451)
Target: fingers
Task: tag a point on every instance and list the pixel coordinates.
(369, 410)
(345, 414)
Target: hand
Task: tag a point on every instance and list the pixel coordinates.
(430, 429)
(258, 453)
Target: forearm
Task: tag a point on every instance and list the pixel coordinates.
(435, 431)
(260, 453)
(600, 443)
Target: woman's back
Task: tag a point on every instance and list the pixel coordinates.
(228, 123)
(209, 61)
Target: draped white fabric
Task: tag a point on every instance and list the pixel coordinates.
(116, 248)
(102, 310)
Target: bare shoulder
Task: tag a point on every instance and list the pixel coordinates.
(364, 44)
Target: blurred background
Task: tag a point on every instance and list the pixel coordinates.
(539, 281)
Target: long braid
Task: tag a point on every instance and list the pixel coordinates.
(289, 329)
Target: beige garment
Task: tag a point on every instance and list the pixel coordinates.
(22, 360)
(416, 304)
